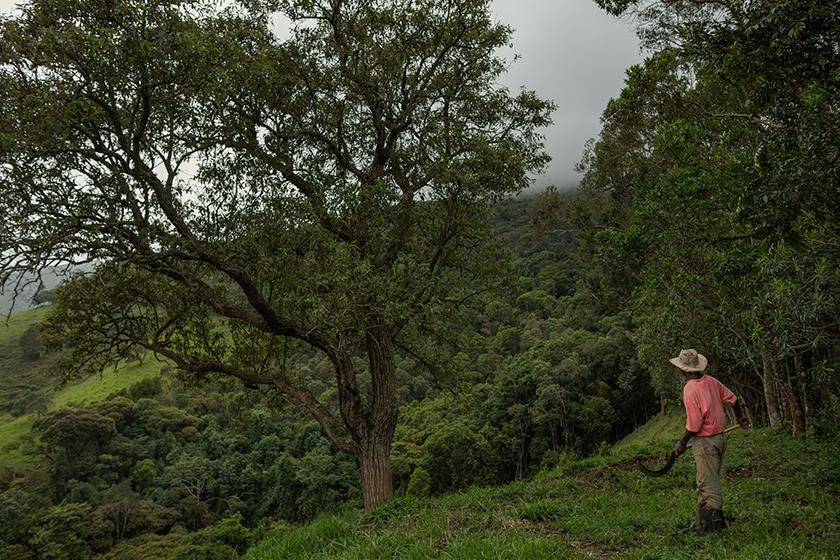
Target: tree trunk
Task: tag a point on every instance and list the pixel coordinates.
(375, 468)
(797, 420)
(771, 391)
(374, 451)
(802, 386)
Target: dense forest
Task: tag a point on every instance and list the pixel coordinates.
(713, 193)
(317, 248)
(166, 467)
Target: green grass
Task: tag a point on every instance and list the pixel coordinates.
(21, 380)
(12, 327)
(781, 496)
(13, 431)
(660, 430)
(17, 374)
(98, 387)
(12, 434)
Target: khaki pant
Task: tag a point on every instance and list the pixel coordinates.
(708, 456)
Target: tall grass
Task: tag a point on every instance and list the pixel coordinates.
(781, 497)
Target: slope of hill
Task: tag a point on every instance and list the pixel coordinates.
(49, 279)
(23, 379)
(26, 387)
(781, 497)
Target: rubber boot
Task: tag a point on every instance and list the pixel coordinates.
(711, 521)
(706, 524)
(718, 520)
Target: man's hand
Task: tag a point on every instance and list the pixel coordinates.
(681, 445)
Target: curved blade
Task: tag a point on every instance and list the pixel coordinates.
(657, 472)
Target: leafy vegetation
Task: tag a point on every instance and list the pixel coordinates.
(317, 237)
(184, 461)
(160, 470)
(258, 197)
(30, 386)
(174, 457)
(710, 205)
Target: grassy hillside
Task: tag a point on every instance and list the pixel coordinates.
(13, 432)
(23, 379)
(97, 387)
(781, 497)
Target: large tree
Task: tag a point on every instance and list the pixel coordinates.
(246, 195)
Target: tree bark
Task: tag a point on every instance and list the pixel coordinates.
(374, 448)
(771, 391)
(375, 469)
(794, 408)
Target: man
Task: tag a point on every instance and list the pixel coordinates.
(703, 396)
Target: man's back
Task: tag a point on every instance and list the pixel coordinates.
(703, 399)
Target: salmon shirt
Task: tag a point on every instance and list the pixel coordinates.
(703, 399)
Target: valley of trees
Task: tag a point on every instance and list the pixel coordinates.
(319, 235)
(173, 469)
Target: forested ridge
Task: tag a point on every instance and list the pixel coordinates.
(315, 290)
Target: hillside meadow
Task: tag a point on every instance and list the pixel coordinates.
(22, 378)
(781, 499)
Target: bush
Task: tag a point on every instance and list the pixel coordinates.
(456, 457)
(146, 388)
(420, 483)
(30, 344)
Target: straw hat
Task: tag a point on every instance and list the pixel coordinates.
(690, 360)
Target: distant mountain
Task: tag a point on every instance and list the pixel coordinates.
(23, 301)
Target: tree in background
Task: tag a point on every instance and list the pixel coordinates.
(30, 344)
(712, 194)
(246, 198)
(72, 440)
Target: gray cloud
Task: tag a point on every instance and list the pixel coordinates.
(574, 54)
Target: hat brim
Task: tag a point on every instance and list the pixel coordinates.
(701, 365)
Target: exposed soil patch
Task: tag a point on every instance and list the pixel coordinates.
(598, 478)
(741, 471)
(593, 549)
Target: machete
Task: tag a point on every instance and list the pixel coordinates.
(671, 459)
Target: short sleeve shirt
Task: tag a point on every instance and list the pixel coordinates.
(703, 399)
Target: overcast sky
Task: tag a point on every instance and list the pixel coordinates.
(572, 53)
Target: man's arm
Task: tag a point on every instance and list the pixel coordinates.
(728, 397)
(740, 415)
(679, 448)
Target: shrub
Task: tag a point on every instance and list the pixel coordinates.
(420, 483)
